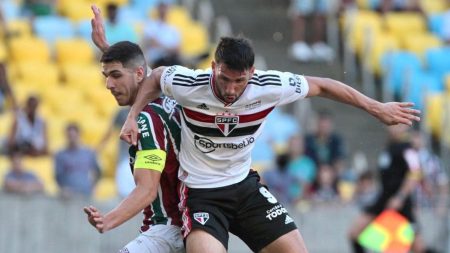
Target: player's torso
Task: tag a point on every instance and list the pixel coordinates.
(218, 138)
(164, 209)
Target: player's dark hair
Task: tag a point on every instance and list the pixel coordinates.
(236, 53)
(125, 52)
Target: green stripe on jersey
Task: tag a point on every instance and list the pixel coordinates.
(158, 216)
(173, 127)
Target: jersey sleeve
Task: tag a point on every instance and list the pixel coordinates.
(151, 148)
(293, 86)
(412, 159)
(174, 78)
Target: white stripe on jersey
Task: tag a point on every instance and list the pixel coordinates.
(149, 117)
(163, 209)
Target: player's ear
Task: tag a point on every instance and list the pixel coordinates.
(252, 70)
(213, 65)
(140, 73)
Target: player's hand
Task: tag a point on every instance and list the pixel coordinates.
(95, 218)
(395, 203)
(129, 132)
(394, 113)
(98, 29)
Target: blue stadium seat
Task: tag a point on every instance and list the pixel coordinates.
(51, 28)
(421, 83)
(438, 60)
(436, 24)
(397, 65)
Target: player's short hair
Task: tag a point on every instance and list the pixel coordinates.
(125, 52)
(236, 53)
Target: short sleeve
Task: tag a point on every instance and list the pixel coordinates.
(151, 131)
(294, 87)
(176, 76)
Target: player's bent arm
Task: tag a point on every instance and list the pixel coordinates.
(148, 91)
(389, 113)
(147, 182)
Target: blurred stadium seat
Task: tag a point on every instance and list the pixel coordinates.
(42, 167)
(74, 51)
(19, 27)
(404, 23)
(40, 76)
(419, 84)
(434, 110)
(29, 49)
(420, 42)
(396, 67)
(436, 24)
(382, 44)
(360, 25)
(437, 60)
(194, 39)
(51, 28)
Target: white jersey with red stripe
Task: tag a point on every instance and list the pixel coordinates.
(217, 138)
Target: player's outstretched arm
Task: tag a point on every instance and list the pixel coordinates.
(147, 182)
(98, 29)
(390, 113)
(148, 91)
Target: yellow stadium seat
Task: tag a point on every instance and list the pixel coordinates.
(105, 189)
(103, 101)
(6, 120)
(56, 133)
(359, 27)
(43, 168)
(22, 90)
(41, 76)
(434, 6)
(434, 108)
(363, 4)
(207, 62)
(108, 156)
(82, 76)
(29, 49)
(419, 43)
(194, 39)
(447, 84)
(3, 52)
(177, 15)
(74, 51)
(402, 24)
(19, 27)
(76, 10)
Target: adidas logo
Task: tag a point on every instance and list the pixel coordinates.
(203, 106)
(288, 219)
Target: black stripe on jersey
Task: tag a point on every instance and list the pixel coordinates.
(264, 84)
(188, 85)
(214, 132)
(269, 79)
(184, 76)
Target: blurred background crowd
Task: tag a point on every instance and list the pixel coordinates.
(59, 125)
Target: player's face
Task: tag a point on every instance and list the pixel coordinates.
(122, 82)
(230, 84)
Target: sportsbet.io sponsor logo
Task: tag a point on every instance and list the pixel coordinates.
(206, 145)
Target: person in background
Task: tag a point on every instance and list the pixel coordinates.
(29, 130)
(301, 167)
(19, 180)
(124, 179)
(161, 40)
(118, 30)
(318, 49)
(76, 167)
(400, 173)
(325, 146)
(325, 187)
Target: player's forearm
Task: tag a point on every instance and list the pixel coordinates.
(335, 90)
(407, 187)
(138, 199)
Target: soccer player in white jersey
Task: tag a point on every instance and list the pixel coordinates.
(223, 112)
(153, 161)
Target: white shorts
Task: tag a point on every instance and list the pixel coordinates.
(158, 239)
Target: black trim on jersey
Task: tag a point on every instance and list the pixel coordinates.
(214, 132)
(183, 80)
(264, 83)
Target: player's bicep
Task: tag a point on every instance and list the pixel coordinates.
(153, 159)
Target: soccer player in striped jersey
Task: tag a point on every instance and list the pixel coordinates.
(153, 160)
(223, 111)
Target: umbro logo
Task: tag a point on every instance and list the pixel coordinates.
(203, 106)
(153, 158)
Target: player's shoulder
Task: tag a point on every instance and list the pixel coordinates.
(184, 74)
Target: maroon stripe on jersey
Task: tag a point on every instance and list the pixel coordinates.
(243, 118)
(198, 116)
(254, 117)
(146, 223)
(158, 127)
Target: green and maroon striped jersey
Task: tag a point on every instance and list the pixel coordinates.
(159, 128)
